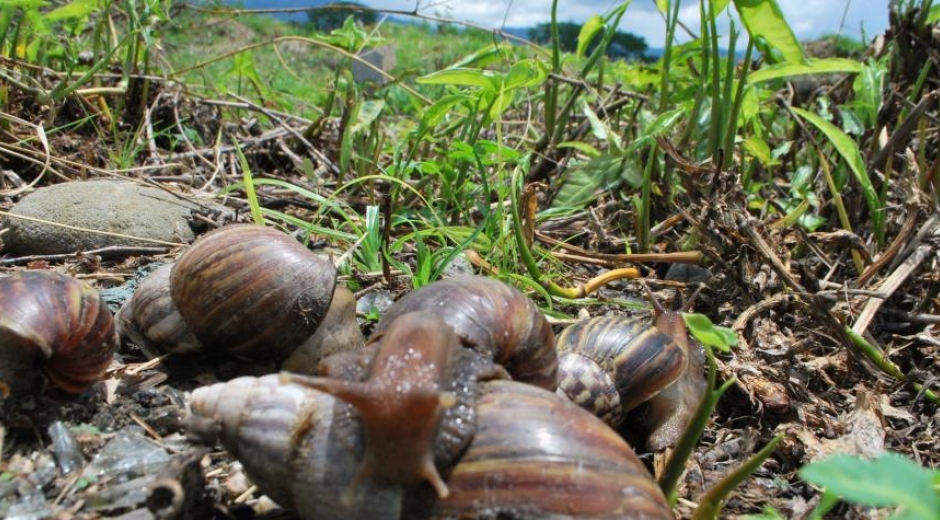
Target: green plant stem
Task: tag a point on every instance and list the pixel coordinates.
(876, 356)
(532, 266)
(669, 479)
(709, 507)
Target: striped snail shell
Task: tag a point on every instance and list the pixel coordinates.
(245, 290)
(610, 365)
(57, 322)
(493, 318)
(535, 455)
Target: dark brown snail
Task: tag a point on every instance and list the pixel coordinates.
(611, 364)
(494, 318)
(58, 323)
(247, 290)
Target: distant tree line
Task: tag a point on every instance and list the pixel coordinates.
(332, 16)
(622, 45)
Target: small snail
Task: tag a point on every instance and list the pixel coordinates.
(57, 322)
(610, 365)
(248, 290)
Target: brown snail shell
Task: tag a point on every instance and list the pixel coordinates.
(245, 290)
(535, 455)
(252, 290)
(610, 365)
(151, 320)
(491, 317)
(57, 322)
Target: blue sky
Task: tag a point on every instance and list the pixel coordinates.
(808, 18)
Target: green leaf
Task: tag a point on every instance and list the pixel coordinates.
(73, 10)
(588, 31)
(662, 5)
(889, 480)
(368, 112)
(719, 6)
(659, 126)
(934, 15)
(525, 73)
(764, 20)
(849, 151)
(708, 333)
(457, 76)
(812, 66)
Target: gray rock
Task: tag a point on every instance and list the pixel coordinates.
(382, 58)
(112, 206)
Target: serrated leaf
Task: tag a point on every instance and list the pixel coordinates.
(848, 149)
(763, 19)
(708, 333)
(889, 480)
(588, 31)
(812, 66)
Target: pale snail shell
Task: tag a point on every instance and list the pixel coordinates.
(535, 455)
(57, 322)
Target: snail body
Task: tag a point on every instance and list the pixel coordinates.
(246, 290)
(491, 317)
(535, 455)
(57, 322)
(408, 377)
(611, 364)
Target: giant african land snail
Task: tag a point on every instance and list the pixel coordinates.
(58, 323)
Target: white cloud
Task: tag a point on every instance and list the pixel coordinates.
(808, 18)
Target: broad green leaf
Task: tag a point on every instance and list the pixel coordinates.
(812, 66)
(588, 31)
(525, 73)
(662, 5)
(582, 182)
(934, 15)
(708, 333)
(662, 124)
(764, 20)
(849, 151)
(889, 480)
(72, 10)
(367, 114)
(719, 6)
(441, 108)
(760, 150)
(457, 76)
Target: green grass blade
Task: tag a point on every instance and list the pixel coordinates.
(849, 151)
